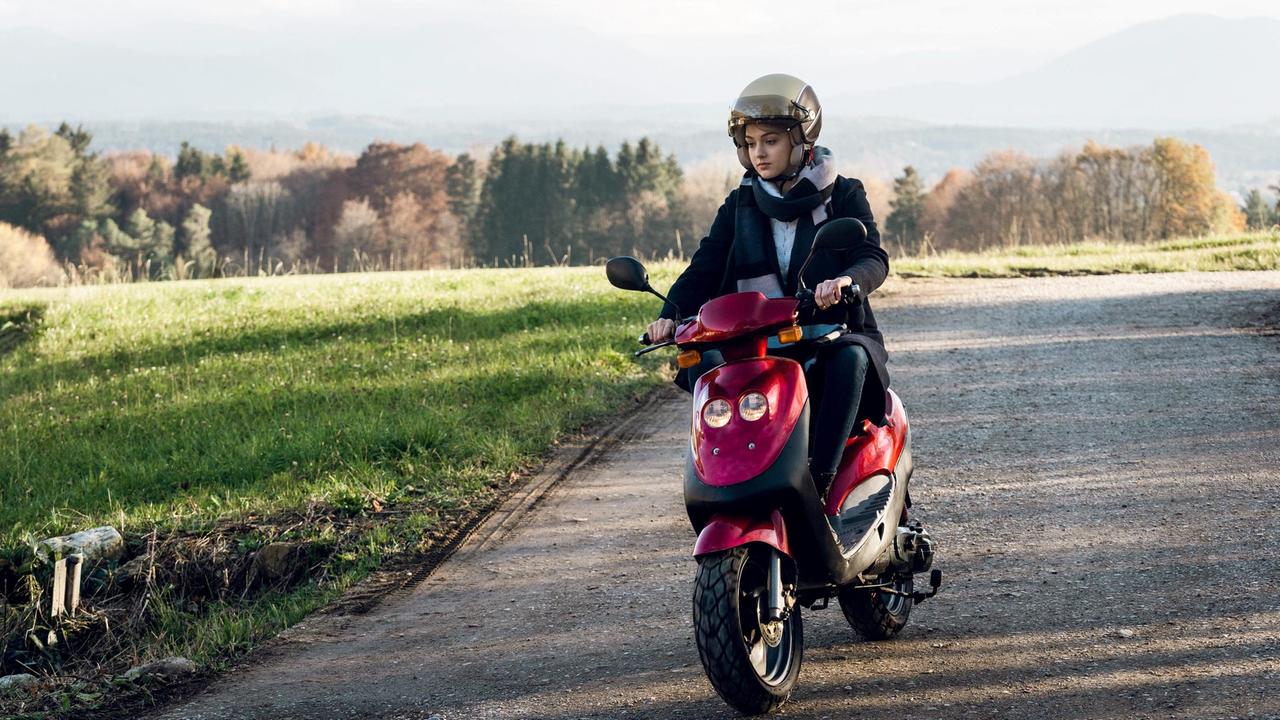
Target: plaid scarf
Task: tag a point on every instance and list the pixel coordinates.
(805, 203)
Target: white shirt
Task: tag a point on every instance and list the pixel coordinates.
(784, 233)
(784, 239)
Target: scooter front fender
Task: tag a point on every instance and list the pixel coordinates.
(724, 532)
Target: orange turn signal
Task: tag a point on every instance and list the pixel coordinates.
(790, 334)
(688, 359)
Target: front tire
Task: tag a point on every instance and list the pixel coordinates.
(877, 615)
(752, 664)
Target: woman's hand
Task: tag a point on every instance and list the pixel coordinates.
(828, 291)
(660, 330)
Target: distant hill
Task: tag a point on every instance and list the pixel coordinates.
(1246, 156)
(1180, 72)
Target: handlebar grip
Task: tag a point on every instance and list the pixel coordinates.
(644, 339)
(849, 292)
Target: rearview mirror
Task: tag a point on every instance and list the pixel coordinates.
(840, 233)
(835, 234)
(627, 273)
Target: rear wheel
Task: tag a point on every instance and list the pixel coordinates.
(875, 614)
(751, 662)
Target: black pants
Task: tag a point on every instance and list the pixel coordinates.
(835, 380)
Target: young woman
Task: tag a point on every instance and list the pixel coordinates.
(759, 239)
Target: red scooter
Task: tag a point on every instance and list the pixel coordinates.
(768, 544)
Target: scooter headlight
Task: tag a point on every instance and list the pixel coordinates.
(717, 413)
(753, 406)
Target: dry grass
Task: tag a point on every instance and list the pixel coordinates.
(1250, 251)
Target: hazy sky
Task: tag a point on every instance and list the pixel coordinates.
(678, 51)
(876, 26)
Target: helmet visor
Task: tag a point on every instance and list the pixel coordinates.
(764, 109)
(760, 108)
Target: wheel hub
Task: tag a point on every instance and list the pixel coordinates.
(771, 632)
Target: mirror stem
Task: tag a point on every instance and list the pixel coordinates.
(803, 267)
(664, 299)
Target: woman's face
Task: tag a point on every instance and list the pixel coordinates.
(769, 147)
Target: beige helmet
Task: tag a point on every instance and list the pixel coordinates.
(782, 99)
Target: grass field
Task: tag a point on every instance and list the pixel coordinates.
(177, 403)
(1248, 251)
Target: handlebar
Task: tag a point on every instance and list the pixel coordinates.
(646, 340)
(805, 306)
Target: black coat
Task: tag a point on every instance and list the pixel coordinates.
(711, 270)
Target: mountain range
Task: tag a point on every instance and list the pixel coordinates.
(1187, 71)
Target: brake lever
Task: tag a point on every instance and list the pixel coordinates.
(651, 348)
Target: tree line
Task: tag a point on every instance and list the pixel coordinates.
(138, 215)
(1135, 194)
(69, 212)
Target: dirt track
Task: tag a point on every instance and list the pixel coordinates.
(1099, 458)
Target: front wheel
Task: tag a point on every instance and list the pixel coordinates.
(878, 615)
(752, 663)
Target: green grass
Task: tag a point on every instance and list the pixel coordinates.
(177, 405)
(1251, 251)
(174, 404)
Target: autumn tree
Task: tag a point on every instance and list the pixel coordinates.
(406, 185)
(357, 234)
(1133, 194)
(937, 206)
(26, 260)
(1186, 198)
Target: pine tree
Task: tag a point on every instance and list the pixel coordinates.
(1257, 211)
(195, 237)
(903, 224)
(462, 185)
(79, 138)
(190, 163)
(237, 166)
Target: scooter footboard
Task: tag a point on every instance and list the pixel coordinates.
(724, 532)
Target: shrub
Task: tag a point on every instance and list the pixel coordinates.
(26, 260)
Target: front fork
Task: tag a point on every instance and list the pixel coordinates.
(776, 604)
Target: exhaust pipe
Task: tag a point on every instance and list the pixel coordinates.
(910, 552)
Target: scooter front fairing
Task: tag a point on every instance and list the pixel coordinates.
(738, 475)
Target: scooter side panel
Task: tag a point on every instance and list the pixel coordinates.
(723, 532)
(870, 454)
(743, 449)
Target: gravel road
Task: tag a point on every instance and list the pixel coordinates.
(1098, 457)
